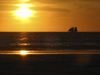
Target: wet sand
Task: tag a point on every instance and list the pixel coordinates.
(50, 52)
(50, 64)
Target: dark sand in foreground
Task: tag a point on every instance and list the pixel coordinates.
(55, 64)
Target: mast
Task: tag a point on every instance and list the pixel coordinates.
(75, 29)
(72, 29)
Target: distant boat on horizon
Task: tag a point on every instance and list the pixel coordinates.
(73, 29)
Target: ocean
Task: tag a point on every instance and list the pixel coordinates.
(49, 53)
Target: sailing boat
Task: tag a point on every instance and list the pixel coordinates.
(73, 29)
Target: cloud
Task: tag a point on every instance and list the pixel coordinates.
(43, 8)
(76, 4)
(48, 8)
(62, 1)
(8, 7)
(49, 1)
(46, 1)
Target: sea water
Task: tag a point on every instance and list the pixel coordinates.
(49, 40)
(49, 53)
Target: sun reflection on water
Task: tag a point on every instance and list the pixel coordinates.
(46, 52)
(24, 52)
(24, 44)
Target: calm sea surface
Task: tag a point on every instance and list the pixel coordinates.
(49, 53)
(50, 40)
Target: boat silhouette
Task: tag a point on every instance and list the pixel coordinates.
(73, 29)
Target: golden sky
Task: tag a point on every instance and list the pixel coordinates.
(49, 15)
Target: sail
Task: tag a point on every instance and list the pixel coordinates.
(70, 29)
(73, 29)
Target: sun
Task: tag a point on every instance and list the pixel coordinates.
(24, 12)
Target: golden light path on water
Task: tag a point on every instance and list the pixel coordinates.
(45, 52)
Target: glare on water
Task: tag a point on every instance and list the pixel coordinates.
(23, 52)
(33, 52)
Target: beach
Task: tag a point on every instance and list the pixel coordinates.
(49, 53)
(70, 64)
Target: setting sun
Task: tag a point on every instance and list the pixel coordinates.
(24, 12)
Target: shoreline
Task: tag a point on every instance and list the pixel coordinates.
(49, 52)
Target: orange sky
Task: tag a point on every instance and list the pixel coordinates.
(50, 15)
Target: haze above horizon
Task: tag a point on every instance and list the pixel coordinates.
(49, 15)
